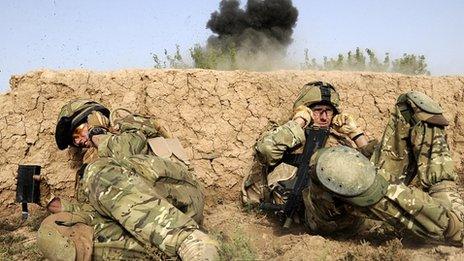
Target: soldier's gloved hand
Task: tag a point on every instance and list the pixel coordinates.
(345, 124)
(95, 131)
(97, 120)
(304, 113)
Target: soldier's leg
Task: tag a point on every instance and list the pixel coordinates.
(113, 242)
(353, 179)
(414, 149)
(172, 181)
(431, 216)
(122, 195)
(85, 235)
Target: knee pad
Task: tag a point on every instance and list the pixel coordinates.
(59, 242)
(416, 106)
(349, 175)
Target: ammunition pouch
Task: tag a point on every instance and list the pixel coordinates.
(272, 189)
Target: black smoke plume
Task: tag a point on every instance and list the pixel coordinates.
(262, 27)
(274, 19)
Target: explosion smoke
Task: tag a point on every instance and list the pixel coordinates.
(259, 33)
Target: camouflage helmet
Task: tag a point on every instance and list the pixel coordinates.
(318, 92)
(73, 114)
(65, 236)
(349, 174)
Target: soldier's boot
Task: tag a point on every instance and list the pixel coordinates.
(198, 246)
(446, 193)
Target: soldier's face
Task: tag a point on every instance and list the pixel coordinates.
(322, 115)
(81, 136)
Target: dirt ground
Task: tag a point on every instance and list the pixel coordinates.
(218, 116)
(252, 235)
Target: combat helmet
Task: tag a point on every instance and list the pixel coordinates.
(318, 92)
(73, 114)
(349, 174)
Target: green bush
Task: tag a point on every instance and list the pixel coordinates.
(359, 61)
(225, 58)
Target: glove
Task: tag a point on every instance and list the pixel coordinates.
(98, 124)
(304, 113)
(345, 124)
(96, 131)
(97, 119)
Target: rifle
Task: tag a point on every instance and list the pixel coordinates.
(28, 186)
(315, 139)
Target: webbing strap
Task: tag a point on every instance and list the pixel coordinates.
(325, 93)
(407, 113)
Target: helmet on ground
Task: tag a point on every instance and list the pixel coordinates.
(318, 93)
(73, 114)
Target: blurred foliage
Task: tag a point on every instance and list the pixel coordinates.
(170, 60)
(367, 60)
(357, 60)
(236, 246)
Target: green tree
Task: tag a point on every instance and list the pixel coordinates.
(309, 63)
(410, 64)
(225, 58)
(356, 61)
(360, 60)
(374, 64)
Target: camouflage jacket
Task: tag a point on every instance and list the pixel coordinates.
(270, 149)
(124, 176)
(272, 145)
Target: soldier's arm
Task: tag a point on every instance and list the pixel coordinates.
(149, 126)
(273, 144)
(345, 124)
(121, 144)
(431, 150)
(361, 140)
(368, 147)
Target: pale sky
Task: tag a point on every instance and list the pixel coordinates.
(110, 35)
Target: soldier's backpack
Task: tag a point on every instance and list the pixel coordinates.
(160, 139)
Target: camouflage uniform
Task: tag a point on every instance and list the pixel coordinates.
(139, 205)
(413, 160)
(323, 213)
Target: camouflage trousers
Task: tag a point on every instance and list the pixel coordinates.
(422, 196)
(141, 207)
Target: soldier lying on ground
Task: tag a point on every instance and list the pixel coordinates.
(410, 181)
(133, 203)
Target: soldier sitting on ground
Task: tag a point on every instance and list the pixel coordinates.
(134, 201)
(410, 181)
(318, 104)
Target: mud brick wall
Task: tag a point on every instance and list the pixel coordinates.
(217, 115)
